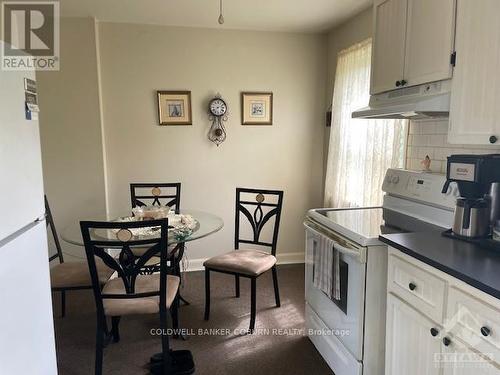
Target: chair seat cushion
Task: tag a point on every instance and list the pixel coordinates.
(144, 305)
(77, 274)
(246, 262)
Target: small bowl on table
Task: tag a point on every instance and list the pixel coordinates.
(142, 213)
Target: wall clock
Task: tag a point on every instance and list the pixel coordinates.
(217, 111)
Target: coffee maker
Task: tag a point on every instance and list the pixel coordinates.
(477, 177)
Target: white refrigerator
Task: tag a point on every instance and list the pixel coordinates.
(27, 344)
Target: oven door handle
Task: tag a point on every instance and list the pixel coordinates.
(358, 253)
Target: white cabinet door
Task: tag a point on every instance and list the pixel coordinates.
(475, 94)
(388, 44)
(411, 349)
(430, 34)
(458, 359)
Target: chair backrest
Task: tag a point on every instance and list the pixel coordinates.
(128, 266)
(50, 223)
(265, 205)
(150, 194)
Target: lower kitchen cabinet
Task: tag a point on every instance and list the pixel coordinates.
(413, 342)
(459, 359)
(459, 335)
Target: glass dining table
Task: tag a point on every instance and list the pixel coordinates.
(204, 225)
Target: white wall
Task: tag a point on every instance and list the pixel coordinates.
(355, 30)
(137, 60)
(70, 130)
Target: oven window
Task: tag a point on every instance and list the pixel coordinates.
(344, 277)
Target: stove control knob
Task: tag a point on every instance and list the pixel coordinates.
(395, 179)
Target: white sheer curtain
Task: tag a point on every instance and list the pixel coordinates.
(360, 151)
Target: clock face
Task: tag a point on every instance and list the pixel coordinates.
(218, 107)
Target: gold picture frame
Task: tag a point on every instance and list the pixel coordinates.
(174, 108)
(256, 108)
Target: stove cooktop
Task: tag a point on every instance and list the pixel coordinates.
(364, 221)
(365, 225)
(361, 225)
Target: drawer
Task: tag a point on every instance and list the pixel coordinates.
(340, 360)
(474, 321)
(419, 288)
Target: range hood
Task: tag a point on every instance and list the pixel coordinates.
(431, 100)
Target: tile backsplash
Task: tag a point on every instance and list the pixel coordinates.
(429, 137)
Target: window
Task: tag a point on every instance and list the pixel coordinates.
(360, 151)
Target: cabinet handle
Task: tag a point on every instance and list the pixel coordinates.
(434, 332)
(493, 139)
(485, 331)
(398, 83)
(403, 82)
(446, 341)
(412, 286)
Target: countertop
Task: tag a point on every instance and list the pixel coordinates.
(468, 262)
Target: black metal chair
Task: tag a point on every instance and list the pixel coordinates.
(160, 194)
(66, 276)
(131, 292)
(250, 263)
(151, 194)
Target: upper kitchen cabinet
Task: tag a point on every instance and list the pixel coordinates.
(388, 44)
(475, 94)
(413, 43)
(430, 34)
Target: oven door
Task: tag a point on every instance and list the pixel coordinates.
(343, 318)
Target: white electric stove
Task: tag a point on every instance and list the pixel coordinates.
(350, 332)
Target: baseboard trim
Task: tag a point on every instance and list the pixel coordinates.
(284, 258)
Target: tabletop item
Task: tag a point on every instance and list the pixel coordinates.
(151, 212)
(474, 175)
(205, 224)
(181, 225)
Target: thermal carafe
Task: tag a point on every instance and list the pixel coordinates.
(472, 218)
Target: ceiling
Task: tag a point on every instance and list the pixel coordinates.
(268, 15)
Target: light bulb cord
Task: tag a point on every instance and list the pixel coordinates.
(221, 17)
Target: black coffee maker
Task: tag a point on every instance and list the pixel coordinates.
(474, 175)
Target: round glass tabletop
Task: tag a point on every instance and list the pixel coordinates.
(205, 224)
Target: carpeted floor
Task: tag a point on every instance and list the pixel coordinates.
(282, 351)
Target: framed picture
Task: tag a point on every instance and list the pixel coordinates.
(174, 108)
(257, 108)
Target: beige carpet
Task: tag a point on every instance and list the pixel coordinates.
(278, 348)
